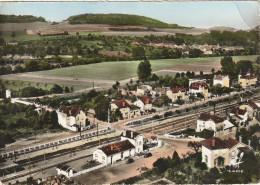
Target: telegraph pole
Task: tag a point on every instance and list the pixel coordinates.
(80, 130)
(97, 129)
(108, 117)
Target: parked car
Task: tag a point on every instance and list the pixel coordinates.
(147, 155)
(129, 160)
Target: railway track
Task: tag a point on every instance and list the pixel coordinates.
(55, 155)
(158, 129)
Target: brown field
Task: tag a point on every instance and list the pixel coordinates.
(113, 53)
(197, 67)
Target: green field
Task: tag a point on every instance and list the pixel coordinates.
(125, 69)
(17, 84)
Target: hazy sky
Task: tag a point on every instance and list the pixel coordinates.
(240, 14)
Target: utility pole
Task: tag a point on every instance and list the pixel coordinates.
(97, 129)
(80, 130)
(93, 86)
(108, 117)
(44, 157)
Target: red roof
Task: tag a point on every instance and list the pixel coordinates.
(215, 118)
(121, 103)
(253, 104)
(196, 85)
(117, 147)
(249, 75)
(145, 99)
(216, 143)
(238, 111)
(177, 89)
(70, 111)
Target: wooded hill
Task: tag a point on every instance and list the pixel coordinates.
(120, 20)
(20, 19)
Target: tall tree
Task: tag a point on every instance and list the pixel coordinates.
(144, 70)
(228, 66)
(139, 53)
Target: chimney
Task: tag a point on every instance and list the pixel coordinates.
(240, 139)
(249, 143)
(132, 135)
(124, 132)
(111, 147)
(213, 142)
(69, 112)
(123, 103)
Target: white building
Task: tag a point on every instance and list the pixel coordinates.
(222, 80)
(72, 118)
(135, 138)
(144, 103)
(8, 93)
(130, 144)
(63, 169)
(220, 153)
(220, 126)
(199, 87)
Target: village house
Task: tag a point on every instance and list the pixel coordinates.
(247, 80)
(130, 144)
(72, 118)
(126, 108)
(220, 153)
(240, 116)
(222, 80)
(220, 126)
(143, 90)
(177, 93)
(253, 109)
(199, 87)
(192, 80)
(158, 91)
(63, 169)
(145, 104)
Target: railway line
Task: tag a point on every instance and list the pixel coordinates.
(56, 155)
(157, 129)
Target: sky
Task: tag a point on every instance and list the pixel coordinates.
(236, 14)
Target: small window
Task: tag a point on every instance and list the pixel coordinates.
(206, 159)
(140, 143)
(122, 155)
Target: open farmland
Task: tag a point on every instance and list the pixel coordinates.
(106, 73)
(127, 69)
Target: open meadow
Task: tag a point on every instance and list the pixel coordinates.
(127, 69)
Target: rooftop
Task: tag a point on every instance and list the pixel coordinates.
(117, 147)
(177, 89)
(70, 110)
(197, 85)
(238, 111)
(146, 100)
(128, 134)
(216, 143)
(207, 117)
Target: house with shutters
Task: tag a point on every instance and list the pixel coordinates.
(144, 103)
(199, 87)
(247, 80)
(220, 153)
(131, 143)
(220, 126)
(177, 93)
(240, 116)
(127, 109)
(222, 80)
(71, 117)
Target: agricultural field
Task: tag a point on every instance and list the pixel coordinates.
(17, 84)
(127, 69)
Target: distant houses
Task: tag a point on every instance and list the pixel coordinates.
(199, 87)
(177, 93)
(240, 116)
(145, 104)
